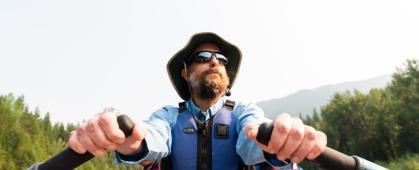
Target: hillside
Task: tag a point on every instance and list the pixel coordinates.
(305, 101)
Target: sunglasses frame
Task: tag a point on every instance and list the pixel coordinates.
(202, 59)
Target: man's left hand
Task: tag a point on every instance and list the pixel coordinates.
(291, 139)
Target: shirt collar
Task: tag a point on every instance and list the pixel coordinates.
(191, 107)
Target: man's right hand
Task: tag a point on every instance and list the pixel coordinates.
(102, 134)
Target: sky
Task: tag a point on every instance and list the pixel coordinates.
(74, 58)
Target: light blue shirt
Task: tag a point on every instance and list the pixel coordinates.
(159, 127)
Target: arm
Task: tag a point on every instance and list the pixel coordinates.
(248, 149)
(157, 142)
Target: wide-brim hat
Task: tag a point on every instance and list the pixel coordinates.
(176, 63)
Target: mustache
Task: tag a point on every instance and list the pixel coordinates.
(212, 71)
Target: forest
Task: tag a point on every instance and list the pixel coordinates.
(381, 126)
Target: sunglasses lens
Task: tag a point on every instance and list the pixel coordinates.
(205, 56)
(221, 58)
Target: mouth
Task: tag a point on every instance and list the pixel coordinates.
(208, 73)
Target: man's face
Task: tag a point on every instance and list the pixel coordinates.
(207, 79)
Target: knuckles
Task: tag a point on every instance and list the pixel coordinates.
(297, 133)
(310, 133)
(87, 136)
(90, 127)
(322, 136)
(113, 136)
(281, 127)
(104, 120)
(102, 144)
(80, 132)
(311, 141)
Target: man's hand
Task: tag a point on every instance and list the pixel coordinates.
(291, 139)
(102, 134)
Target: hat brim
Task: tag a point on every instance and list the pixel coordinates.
(175, 64)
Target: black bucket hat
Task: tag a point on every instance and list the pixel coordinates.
(175, 64)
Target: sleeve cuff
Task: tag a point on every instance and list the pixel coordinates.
(133, 159)
(280, 164)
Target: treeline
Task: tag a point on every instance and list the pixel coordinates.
(27, 138)
(382, 125)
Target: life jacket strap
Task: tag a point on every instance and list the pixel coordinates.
(182, 107)
(230, 104)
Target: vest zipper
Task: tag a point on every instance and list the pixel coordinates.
(204, 144)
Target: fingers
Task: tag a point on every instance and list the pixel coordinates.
(138, 132)
(74, 143)
(99, 135)
(291, 139)
(95, 132)
(132, 144)
(319, 146)
(307, 145)
(282, 126)
(87, 142)
(251, 130)
(109, 125)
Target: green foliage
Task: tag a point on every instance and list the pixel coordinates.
(27, 138)
(409, 161)
(382, 125)
(379, 126)
(405, 91)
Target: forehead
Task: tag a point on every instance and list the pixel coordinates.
(207, 47)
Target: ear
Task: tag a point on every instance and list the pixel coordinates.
(185, 74)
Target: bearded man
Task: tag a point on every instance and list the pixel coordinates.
(207, 130)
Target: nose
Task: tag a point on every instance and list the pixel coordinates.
(213, 61)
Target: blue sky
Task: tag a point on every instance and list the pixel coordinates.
(73, 58)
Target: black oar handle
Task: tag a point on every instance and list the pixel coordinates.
(329, 159)
(69, 159)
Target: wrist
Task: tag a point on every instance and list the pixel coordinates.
(139, 152)
(133, 149)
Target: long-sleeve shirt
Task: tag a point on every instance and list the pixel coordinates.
(158, 139)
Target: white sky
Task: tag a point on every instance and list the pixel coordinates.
(73, 58)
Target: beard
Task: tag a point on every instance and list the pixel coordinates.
(210, 84)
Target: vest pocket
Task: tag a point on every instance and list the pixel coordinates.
(221, 131)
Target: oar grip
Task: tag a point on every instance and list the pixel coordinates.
(329, 159)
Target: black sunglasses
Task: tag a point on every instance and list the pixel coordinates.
(205, 56)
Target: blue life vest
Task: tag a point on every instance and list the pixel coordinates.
(208, 145)
(205, 145)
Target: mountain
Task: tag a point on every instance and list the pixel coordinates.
(305, 101)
